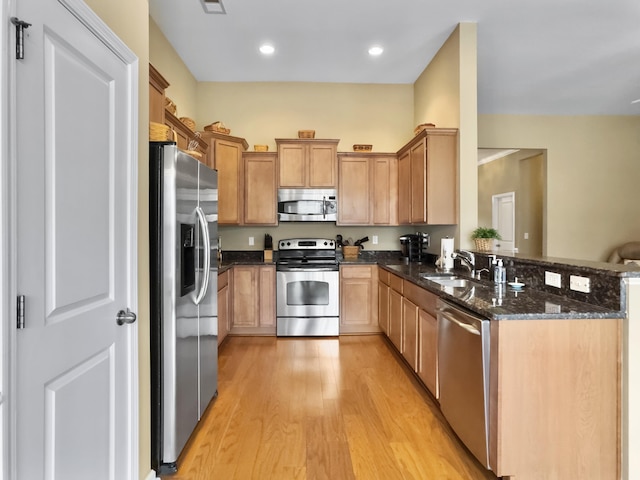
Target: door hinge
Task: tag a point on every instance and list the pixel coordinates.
(21, 311)
(20, 26)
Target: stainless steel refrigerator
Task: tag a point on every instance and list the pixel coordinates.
(183, 216)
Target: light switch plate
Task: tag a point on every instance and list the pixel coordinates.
(580, 284)
(553, 279)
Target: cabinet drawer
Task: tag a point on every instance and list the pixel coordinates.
(348, 271)
(421, 297)
(395, 282)
(223, 280)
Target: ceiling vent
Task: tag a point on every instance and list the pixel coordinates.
(213, 6)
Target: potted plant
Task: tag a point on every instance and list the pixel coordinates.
(483, 237)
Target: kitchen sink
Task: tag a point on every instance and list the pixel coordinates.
(447, 280)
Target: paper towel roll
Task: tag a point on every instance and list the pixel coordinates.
(446, 253)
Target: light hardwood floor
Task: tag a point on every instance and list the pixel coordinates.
(327, 408)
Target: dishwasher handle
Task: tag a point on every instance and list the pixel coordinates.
(461, 321)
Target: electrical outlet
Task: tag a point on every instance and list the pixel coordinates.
(374, 240)
(553, 279)
(580, 284)
(526, 235)
(252, 241)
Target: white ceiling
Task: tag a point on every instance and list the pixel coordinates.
(545, 57)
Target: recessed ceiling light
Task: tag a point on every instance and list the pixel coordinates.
(376, 50)
(267, 49)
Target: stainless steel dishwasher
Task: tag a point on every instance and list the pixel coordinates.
(463, 370)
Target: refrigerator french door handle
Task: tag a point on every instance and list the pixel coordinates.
(204, 227)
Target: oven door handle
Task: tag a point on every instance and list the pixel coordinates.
(307, 269)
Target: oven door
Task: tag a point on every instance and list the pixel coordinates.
(308, 292)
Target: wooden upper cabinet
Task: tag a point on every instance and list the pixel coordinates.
(322, 164)
(260, 197)
(158, 114)
(354, 190)
(157, 86)
(307, 163)
(292, 164)
(367, 189)
(404, 188)
(225, 155)
(384, 169)
(427, 178)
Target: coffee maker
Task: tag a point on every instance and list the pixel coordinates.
(413, 246)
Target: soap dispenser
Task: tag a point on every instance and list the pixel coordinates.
(500, 273)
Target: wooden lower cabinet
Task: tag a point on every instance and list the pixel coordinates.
(428, 351)
(224, 305)
(410, 333)
(359, 299)
(383, 306)
(554, 398)
(254, 299)
(395, 319)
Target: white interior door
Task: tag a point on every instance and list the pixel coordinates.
(504, 219)
(75, 404)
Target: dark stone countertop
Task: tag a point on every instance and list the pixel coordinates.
(478, 297)
(488, 300)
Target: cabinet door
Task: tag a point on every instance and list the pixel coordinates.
(322, 161)
(441, 179)
(383, 307)
(354, 191)
(260, 189)
(418, 183)
(410, 332)
(428, 351)
(395, 319)
(245, 296)
(292, 165)
(223, 313)
(404, 188)
(267, 294)
(384, 186)
(228, 160)
(358, 299)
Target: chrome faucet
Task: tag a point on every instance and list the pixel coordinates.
(467, 259)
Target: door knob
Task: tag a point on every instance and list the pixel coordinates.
(125, 317)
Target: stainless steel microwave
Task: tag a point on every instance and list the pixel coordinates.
(307, 205)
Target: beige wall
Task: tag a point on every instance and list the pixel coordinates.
(380, 115)
(446, 94)
(182, 84)
(129, 20)
(592, 176)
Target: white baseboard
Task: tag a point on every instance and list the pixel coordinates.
(152, 476)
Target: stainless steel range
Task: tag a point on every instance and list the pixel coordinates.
(307, 292)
